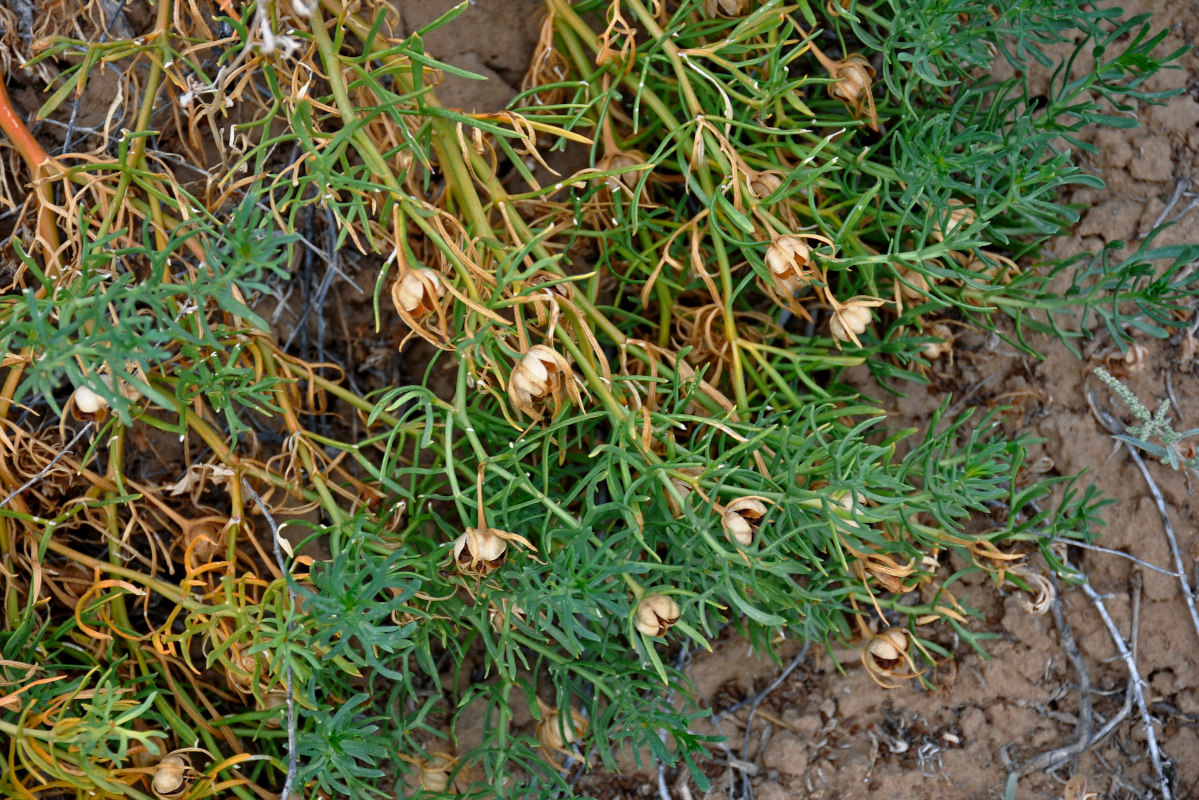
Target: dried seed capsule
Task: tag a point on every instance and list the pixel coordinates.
(888, 647)
(788, 258)
(849, 321)
(1042, 591)
(622, 159)
(683, 488)
(124, 387)
(503, 615)
(764, 184)
(542, 375)
(961, 216)
(993, 266)
(435, 772)
(912, 284)
(171, 776)
(725, 8)
(556, 732)
(240, 674)
(479, 552)
(87, 401)
(884, 654)
(274, 700)
(742, 518)
(418, 292)
(204, 540)
(853, 80)
(934, 350)
(851, 85)
(655, 614)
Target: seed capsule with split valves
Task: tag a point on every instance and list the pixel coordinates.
(792, 267)
(542, 377)
(885, 656)
(742, 519)
(655, 614)
(88, 402)
(418, 292)
(788, 259)
(557, 731)
(763, 184)
(434, 773)
(481, 550)
(852, 86)
(851, 318)
(174, 775)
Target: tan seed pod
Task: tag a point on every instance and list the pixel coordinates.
(961, 216)
(850, 320)
(124, 387)
(912, 284)
(502, 615)
(993, 266)
(853, 80)
(88, 402)
(542, 376)
(240, 674)
(846, 500)
(1041, 592)
(852, 86)
(934, 350)
(725, 8)
(790, 262)
(204, 540)
(172, 776)
(655, 614)
(622, 159)
(788, 258)
(884, 655)
(555, 731)
(418, 292)
(435, 773)
(764, 184)
(742, 518)
(683, 487)
(479, 551)
(274, 700)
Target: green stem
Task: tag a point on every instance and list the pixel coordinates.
(137, 154)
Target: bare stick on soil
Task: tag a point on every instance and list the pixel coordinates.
(1135, 686)
(1119, 553)
(1055, 758)
(1187, 593)
(753, 709)
(757, 699)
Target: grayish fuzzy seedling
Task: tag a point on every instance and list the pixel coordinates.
(1156, 425)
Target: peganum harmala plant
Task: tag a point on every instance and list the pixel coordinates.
(626, 427)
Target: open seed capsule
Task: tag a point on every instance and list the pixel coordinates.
(479, 551)
(172, 776)
(655, 614)
(742, 518)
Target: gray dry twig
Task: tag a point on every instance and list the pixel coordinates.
(1188, 594)
(1052, 759)
(1135, 687)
